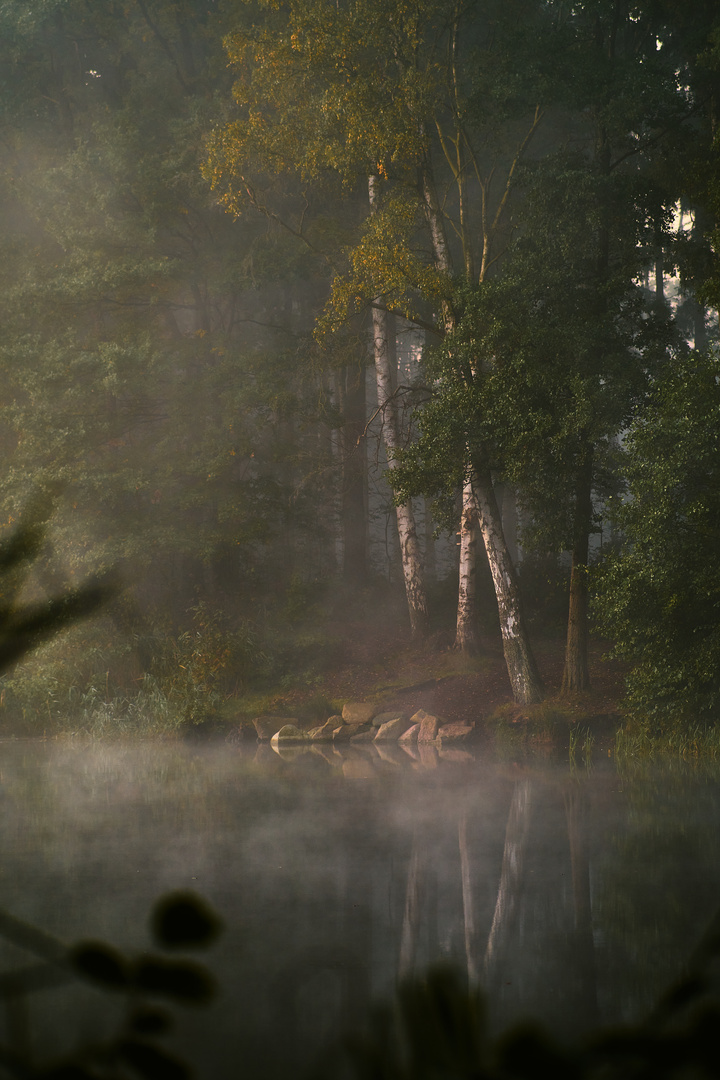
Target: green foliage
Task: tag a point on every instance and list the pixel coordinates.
(658, 596)
(195, 670)
(149, 366)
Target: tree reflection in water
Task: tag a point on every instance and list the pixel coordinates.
(548, 889)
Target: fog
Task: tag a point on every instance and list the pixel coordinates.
(571, 896)
(362, 352)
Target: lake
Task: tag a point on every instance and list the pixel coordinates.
(572, 894)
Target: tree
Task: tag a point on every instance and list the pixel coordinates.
(567, 336)
(152, 362)
(385, 92)
(658, 596)
(294, 126)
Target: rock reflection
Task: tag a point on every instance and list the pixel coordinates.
(338, 871)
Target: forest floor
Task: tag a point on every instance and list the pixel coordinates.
(377, 663)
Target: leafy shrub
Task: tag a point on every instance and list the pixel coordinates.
(658, 596)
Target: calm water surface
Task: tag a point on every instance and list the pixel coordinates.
(572, 896)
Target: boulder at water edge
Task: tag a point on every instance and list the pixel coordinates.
(346, 731)
(384, 717)
(324, 733)
(411, 736)
(289, 734)
(455, 732)
(429, 725)
(266, 726)
(392, 730)
(358, 712)
(363, 736)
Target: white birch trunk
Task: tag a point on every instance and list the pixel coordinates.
(407, 534)
(522, 670)
(466, 636)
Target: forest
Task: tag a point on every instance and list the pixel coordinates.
(381, 311)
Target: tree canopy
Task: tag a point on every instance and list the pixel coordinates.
(218, 218)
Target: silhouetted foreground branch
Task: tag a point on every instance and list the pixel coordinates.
(23, 628)
(152, 985)
(436, 1029)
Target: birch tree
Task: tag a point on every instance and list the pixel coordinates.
(309, 114)
(380, 91)
(566, 337)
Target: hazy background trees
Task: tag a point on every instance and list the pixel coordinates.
(470, 245)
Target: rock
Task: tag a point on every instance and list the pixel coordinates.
(392, 730)
(266, 726)
(324, 733)
(289, 733)
(410, 736)
(363, 736)
(346, 731)
(358, 712)
(384, 717)
(429, 725)
(454, 732)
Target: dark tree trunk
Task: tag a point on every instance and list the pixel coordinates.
(354, 506)
(576, 675)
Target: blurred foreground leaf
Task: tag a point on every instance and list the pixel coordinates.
(183, 920)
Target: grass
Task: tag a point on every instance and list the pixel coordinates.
(531, 727)
(582, 741)
(694, 742)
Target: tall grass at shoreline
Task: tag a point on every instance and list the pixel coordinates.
(693, 742)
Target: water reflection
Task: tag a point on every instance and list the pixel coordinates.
(571, 896)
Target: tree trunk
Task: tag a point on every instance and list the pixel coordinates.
(407, 534)
(509, 513)
(576, 675)
(353, 502)
(430, 560)
(466, 635)
(524, 676)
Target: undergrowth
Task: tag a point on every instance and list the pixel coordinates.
(96, 681)
(689, 742)
(516, 726)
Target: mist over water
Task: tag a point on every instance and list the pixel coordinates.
(573, 896)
